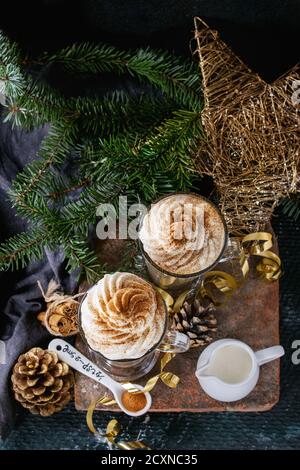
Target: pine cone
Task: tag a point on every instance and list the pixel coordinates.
(198, 321)
(41, 382)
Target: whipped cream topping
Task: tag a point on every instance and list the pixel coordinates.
(182, 234)
(122, 316)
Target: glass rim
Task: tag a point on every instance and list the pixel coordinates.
(196, 273)
(153, 348)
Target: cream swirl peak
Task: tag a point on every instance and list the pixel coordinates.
(123, 316)
(182, 234)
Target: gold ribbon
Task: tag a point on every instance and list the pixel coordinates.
(168, 378)
(260, 244)
(168, 299)
(112, 430)
(179, 301)
(254, 244)
(223, 282)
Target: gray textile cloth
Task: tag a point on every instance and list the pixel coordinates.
(20, 297)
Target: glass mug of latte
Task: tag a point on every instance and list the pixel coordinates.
(181, 237)
(125, 323)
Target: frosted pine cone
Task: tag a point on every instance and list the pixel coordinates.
(197, 321)
(41, 382)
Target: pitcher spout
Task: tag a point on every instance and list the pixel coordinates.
(203, 371)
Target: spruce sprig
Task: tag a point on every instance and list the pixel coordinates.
(55, 147)
(137, 144)
(89, 58)
(34, 105)
(119, 112)
(291, 206)
(9, 51)
(79, 215)
(159, 163)
(80, 257)
(23, 248)
(175, 78)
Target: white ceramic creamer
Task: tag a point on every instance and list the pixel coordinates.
(228, 369)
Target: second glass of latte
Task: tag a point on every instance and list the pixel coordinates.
(124, 321)
(182, 236)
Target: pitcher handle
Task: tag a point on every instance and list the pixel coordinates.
(269, 354)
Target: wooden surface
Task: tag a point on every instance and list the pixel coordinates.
(251, 315)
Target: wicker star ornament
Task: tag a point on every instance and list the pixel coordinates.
(252, 127)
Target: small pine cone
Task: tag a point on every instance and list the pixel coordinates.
(41, 382)
(197, 321)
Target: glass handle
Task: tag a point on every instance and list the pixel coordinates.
(232, 250)
(174, 342)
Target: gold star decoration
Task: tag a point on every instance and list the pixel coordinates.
(252, 129)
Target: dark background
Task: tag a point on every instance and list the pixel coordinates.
(266, 35)
(264, 32)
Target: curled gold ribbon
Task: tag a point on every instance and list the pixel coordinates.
(112, 430)
(168, 299)
(253, 244)
(260, 244)
(179, 301)
(219, 280)
(106, 401)
(223, 282)
(90, 411)
(168, 378)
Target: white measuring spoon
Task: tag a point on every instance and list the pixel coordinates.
(67, 353)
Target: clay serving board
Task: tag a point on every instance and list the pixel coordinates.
(251, 315)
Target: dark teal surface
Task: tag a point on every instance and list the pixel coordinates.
(264, 33)
(276, 429)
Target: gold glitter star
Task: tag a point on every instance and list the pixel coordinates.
(252, 132)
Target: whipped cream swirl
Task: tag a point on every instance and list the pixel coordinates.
(123, 316)
(182, 234)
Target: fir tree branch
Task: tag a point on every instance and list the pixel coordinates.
(177, 136)
(146, 146)
(120, 112)
(54, 149)
(9, 51)
(63, 189)
(90, 58)
(177, 79)
(12, 78)
(180, 81)
(76, 217)
(34, 106)
(160, 163)
(81, 256)
(24, 95)
(34, 207)
(19, 250)
(291, 206)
